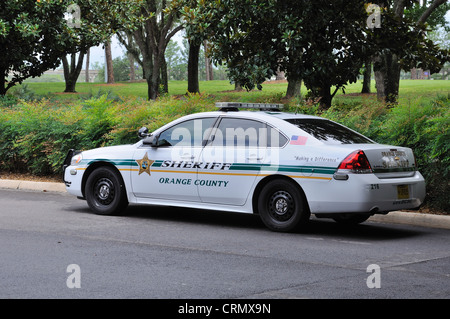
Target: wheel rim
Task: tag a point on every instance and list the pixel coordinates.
(104, 191)
(281, 206)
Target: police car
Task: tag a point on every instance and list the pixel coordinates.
(282, 166)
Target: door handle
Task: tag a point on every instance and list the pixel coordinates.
(188, 157)
(254, 158)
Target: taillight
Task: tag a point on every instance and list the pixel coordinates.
(356, 162)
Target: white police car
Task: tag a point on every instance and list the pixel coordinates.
(281, 166)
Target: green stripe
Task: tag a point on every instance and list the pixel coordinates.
(235, 167)
(116, 162)
(284, 168)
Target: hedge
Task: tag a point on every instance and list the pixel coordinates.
(35, 136)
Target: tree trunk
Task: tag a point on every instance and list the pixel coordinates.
(132, 70)
(279, 76)
(72, 71)
(387, 77)
(208, 64)
(325, 98)
(413, 74)
(3, 88)
(155, 78)
(109, 63)
(87, 65)
(194, 52)
(367, 77)
(294, 88)
(164, 76)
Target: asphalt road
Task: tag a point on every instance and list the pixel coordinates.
(157, 252)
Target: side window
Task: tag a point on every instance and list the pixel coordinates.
(275, 138)
(189, 133)
(233, 132)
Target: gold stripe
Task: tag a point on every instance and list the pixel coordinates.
(226, 174)
(310, 177)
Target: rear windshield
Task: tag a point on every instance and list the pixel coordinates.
(329, 132)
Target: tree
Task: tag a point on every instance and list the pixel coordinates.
(98, 21)
(34, 35)
(320, 42)
(401, 43)
(152, 37)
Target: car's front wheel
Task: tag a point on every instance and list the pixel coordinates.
(282, 207)
(105, 191)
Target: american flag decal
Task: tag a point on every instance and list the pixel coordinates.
(298, 140)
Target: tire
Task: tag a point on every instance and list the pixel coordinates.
(105, 192)
(351, 219)
(282, 206)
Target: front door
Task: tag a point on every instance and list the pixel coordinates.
(169, 170)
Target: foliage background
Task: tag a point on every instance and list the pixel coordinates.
(36, 132)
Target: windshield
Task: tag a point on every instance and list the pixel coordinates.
(329, 132)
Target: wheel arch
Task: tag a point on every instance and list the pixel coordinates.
(92, 168)
(270, 178)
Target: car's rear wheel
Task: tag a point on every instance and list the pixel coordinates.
(105, 192)
(282, 207)
(351, 219)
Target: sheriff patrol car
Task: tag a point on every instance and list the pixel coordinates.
(263, 161)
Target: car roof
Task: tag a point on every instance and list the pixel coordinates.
(276, 118)
(258, 114)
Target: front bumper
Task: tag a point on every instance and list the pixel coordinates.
(72, 175)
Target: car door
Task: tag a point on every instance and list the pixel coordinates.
(168, 170)
(232, 160)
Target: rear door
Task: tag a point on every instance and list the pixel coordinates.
(231, 161)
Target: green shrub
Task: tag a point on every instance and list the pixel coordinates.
(35, 136)
(8, 101)
(425, 127)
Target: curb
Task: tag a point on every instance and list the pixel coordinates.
(417, 219)
(33, 186)
(397, 217)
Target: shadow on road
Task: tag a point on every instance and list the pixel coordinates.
(319, 227)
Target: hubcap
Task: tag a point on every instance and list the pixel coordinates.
(281, 206)
(104, 191)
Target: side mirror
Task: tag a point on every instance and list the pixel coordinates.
(143, 132)
(151, 140)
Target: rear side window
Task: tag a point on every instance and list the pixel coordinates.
(329, 132)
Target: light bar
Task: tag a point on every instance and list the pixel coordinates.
(260, 106)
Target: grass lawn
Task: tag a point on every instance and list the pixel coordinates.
(224, 91)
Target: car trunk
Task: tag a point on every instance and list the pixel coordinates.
(391, 162)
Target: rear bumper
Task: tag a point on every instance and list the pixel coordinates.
(366, 193)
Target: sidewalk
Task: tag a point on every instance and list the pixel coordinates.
(417, 219)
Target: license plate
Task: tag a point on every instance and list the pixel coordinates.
(402, 192)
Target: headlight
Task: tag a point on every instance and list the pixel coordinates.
(76, 159)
